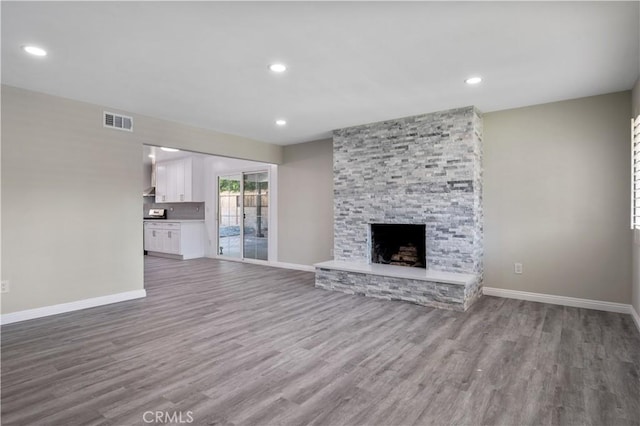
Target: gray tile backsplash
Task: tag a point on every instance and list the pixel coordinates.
(176, 210)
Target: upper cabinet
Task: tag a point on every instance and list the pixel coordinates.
(180, 180)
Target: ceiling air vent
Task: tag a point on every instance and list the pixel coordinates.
(117, 121)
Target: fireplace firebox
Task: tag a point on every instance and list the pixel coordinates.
(398, 244)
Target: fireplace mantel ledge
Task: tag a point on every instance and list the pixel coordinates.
(399, 272)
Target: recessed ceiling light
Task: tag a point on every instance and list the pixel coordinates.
(278, 67)
(34, 50)
(473, 80)
(169, 149)
(152, 156)
(281, 122)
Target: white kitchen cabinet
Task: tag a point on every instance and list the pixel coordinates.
(172, 181)
(180, 180)
(181, 170)
(161, 182)
(177, 239)
(172, 241)
(151, 238)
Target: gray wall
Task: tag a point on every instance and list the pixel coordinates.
(635, 98)
(305, 203)
(58, 165)
(635, 288)
(557, 184)
(154, 131)
(71, 203)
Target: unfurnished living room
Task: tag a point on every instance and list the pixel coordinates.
(320, 213)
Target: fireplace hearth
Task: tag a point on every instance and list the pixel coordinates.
(398, 244)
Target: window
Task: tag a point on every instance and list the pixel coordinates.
(635, 173)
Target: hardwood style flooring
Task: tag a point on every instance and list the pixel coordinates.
(229, 343)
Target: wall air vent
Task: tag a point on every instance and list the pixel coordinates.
(117, 121)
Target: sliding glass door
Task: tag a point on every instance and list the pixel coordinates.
(243, 215)
(229, 216)
(256, 215)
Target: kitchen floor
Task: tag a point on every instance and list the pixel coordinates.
(231, 343)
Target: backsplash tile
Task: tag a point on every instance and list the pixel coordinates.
(184, 211)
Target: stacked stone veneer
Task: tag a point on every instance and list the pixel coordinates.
(424, 169)
(428, 293)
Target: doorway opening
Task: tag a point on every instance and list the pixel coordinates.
(213, 206)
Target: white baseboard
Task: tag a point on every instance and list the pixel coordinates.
(71, 306)
(564, 301)
(635, 316)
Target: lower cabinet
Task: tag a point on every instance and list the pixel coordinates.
(184, 240)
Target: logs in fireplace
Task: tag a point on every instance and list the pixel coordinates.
(398, 244)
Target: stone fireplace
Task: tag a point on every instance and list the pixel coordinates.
(398, 244)
(423, 171)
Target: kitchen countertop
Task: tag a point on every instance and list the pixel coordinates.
(173, 220)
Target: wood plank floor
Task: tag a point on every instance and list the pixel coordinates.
(243, 344)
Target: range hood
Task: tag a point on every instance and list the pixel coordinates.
(151, 191)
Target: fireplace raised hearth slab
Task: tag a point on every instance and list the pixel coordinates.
(439, 289)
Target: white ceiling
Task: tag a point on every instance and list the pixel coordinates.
(205, 63)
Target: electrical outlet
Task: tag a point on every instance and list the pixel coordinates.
(517, 268)
(4, 287)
